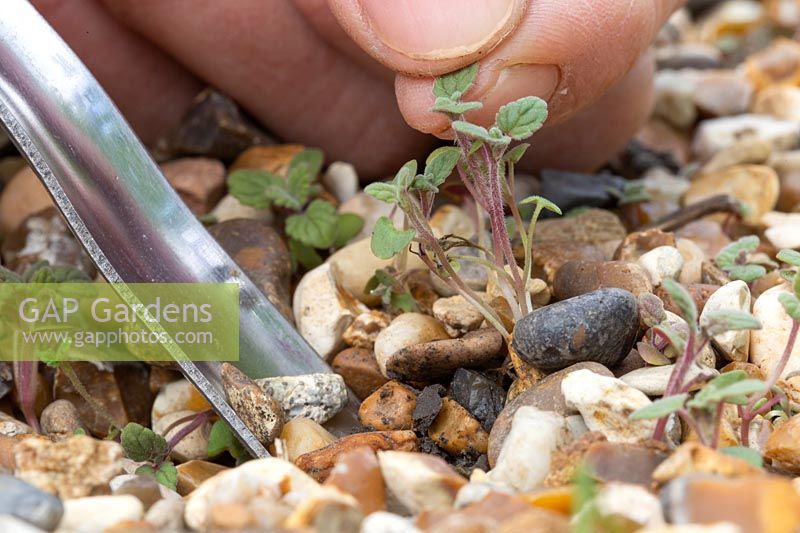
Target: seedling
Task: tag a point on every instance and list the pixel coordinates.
(394, 294)
(485, 161)
(222, 439)
(740, 260)
(312, 223)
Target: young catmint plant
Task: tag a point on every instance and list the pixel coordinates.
(312, 223)
(740, 260)
(485, 161)
(707, 405)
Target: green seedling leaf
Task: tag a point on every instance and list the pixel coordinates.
(79, 432)
(347, 226)
(261, 189)
(316, 226)
(747, 454)
(304, 255)
(791, 303)
(722, 320)
(735, 393)
(516, 153)
(448, 105)
(660, 408)
(403, 301)
(520, 119)
(788, 275)
(309, 160)
(166, 474)
(732, 253)
(385, 192)
(473, 131)
(298, 186)
(142, 444)
(9, 276)
(705, 397)
(440, 164)
(683, 300)
(791, 257)
(746, 273)
(387, 240)
(455, 84)
(586, 517)
(222, 439)
(541, 202)
(405, 176)
(475, 146)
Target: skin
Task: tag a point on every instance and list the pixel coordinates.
(354, 77)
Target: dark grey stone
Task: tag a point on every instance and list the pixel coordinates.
(479, 395)
(30, 504)
(599, 326)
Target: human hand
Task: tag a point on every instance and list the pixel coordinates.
(292, 66)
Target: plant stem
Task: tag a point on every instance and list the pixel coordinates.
(678, 375)
(197, 420)
(747, 413)
(689, 419)
(717, 424)
(72, 376)
(26, 378)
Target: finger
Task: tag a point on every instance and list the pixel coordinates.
(590, 138)
(566, 51)
(271, 61)
(150, 88)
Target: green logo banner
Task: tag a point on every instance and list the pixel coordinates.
(119, 322)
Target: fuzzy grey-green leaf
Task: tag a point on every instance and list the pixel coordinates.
(683, 300)
(722, 320)
(316, 226)
(729, 254)
(405, 176)
(385, 192)
(387, 240)
(456, 83)
(473, 131)
(660, 408)
(448, 105)
(542, 202)
(791, 257)
(142, 444)
(440, 163)
(520, 119)
(791, 304)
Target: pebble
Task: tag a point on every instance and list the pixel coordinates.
(550, 256)
(717, 134)
(259, 411)
(457, 314)
(524, 460)
(756, 186)
(146, 488)
(272, 158)
(60, 420)
(626, 463)
(599, 326)
(192, 473)
(693, 257)
(783, 446)
(606, 404)
(262, 255)
(22, 197)
(194, 445)
(694, 458)
(370, 210)
(166, 515)
(687, 55)
(450, 219)
(318, 464)
(635, 244)
(545, 395)
(756, 503)
(782, 229)
(767, 344)
(101, 383)
(303, 435)
(664, 262)
(360, 371)
(264, 481)
(652, 380)
(472, 274)
(391, 407)
(365, 329)
(230, 208)
(341, 180)
(383, 522)
(593, 226)
(358, 473)
(749, 150)
(779, 101)
(630, 504)
(722, 92)
(99, 513)
(11, 427)
(734, 345)
(479, 395)
(777, 64)
(575, 278)
(404, 331)
(177, 396)
(199, 181)
(323, 311)
(456, 431)
(787, 165)
(420, 482)
(316, 396)
(707, 234)
(11, 523)
(439, 359)
(80, 466)
(429, 403)
(574, 189)
(28, 503)
(674, 101)
(700, 293)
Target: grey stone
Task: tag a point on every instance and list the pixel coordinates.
(28, 503)
(316, 396)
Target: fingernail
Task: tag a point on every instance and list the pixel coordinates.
(517, 81)
(438, 29)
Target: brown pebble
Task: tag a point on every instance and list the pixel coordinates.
(456, 431)
(192, 473)
(258, 410)
(360, 371)
(365, 328)
(319, 463)
(640, 242)
(60, 420)
(580, 277)
(302, 435)
(358, 473)
(389, 408)
(549, 256)
(199, 181)
(232, 515)
(700, 293)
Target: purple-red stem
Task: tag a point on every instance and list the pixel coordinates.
(197, 420)
(26, 377)
(677, 378)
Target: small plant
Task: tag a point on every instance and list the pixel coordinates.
(312, 223)
(740, 260)
(394, 294)
(222, 439)
(704, 410)
(485, 161)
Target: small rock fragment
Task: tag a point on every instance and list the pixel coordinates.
(429, 403)
(22, 197)
(60, 420)
(457, 314)
(194, 445)
(694, 458)
(360, 371)
(365, 329)
(341, 180)
(199, 181)
(389, 408)
(303, 435)
(664, 262)
(358, 473)
(99, 513)
(783, 445)
(420, 482)
(767, 344)
(316, 396)
(631, 504)
(192, 473)
(606, 405)
(456, 431)
(575, 278)
(178, 396)
(717, 134)
(735, 296)
(28, 503)
(479, 395)
(652, 380)
(260, 412)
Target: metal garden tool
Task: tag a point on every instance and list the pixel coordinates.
(120, 206)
